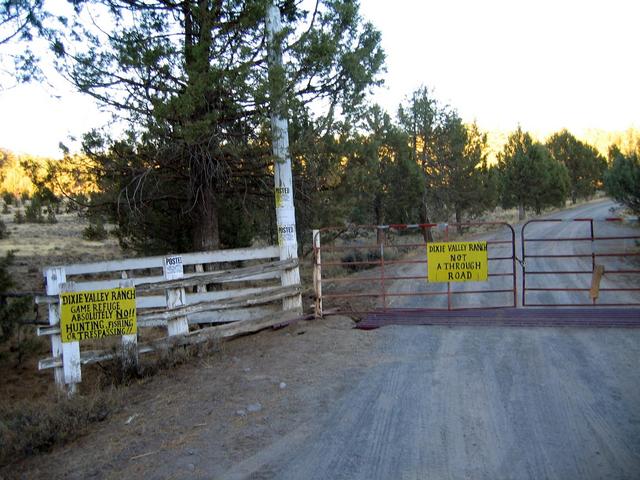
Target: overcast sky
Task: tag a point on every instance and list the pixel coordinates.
(545, 64)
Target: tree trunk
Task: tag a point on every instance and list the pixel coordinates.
(424, 218)
(379, 214)
(206, 234)
(521, 213)
(459, 220)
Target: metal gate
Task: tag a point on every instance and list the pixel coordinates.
(580, 262)
(363, 268)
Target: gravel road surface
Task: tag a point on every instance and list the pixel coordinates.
(478, 403)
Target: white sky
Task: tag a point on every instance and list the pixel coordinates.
(546, 64)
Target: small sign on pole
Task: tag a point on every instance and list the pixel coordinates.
(457, 262)
(173, 268)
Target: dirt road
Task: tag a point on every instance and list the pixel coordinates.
(479, 403)
(475, 403)
(320, 400)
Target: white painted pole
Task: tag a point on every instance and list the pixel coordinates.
(285, 211)
(130, 357)
(70, 352)
(176, 297)
(54, 277)
(66, 378)
(317, 273)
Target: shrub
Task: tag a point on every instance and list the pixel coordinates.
(360, 255)
(12, 310)
(29, 427)
(18, 217)
(95, 231)
(51, 214)
(3, 230)
(33, 212)
(8, 198)
(622, 180)
(5, 208)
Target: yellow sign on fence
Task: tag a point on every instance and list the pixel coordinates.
(457, 262)
(97, 314)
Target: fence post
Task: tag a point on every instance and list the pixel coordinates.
(176, 297)
(200, 269)
(53, 278)
(70, 351)
(129, 342)
(317, 273)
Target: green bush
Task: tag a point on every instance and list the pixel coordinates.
(12, 310)
(18, 217)
(622, 180)
(51, 214)
(33, 212)
(95, 231)
(8, 198)
(3, 230)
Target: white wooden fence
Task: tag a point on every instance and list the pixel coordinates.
(250, 294)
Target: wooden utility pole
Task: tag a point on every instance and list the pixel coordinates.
(285, 211)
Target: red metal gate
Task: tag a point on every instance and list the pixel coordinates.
(580, 262)
(364, 268)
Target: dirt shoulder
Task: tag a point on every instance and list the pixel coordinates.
(201, 418)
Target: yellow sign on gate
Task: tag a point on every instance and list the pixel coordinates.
(457, 262)
(97, 314)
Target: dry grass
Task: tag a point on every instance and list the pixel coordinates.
(32, 416)
(39, 245)
(36, 425)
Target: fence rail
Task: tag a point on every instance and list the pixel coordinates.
(603, 261)
(241, 286)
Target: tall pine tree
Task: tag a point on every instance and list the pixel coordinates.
(190, 78)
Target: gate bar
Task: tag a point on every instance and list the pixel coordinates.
(383, 263)
(593, 255)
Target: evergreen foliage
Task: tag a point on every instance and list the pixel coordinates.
(33, 211)
(95, 231)
(18, 216)
(380, 177)
(530, 177)
(193, 171)
(622, 180)
(584, 164)
(191, 78)
(20, 22)
(12, 310)
(456, 180)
